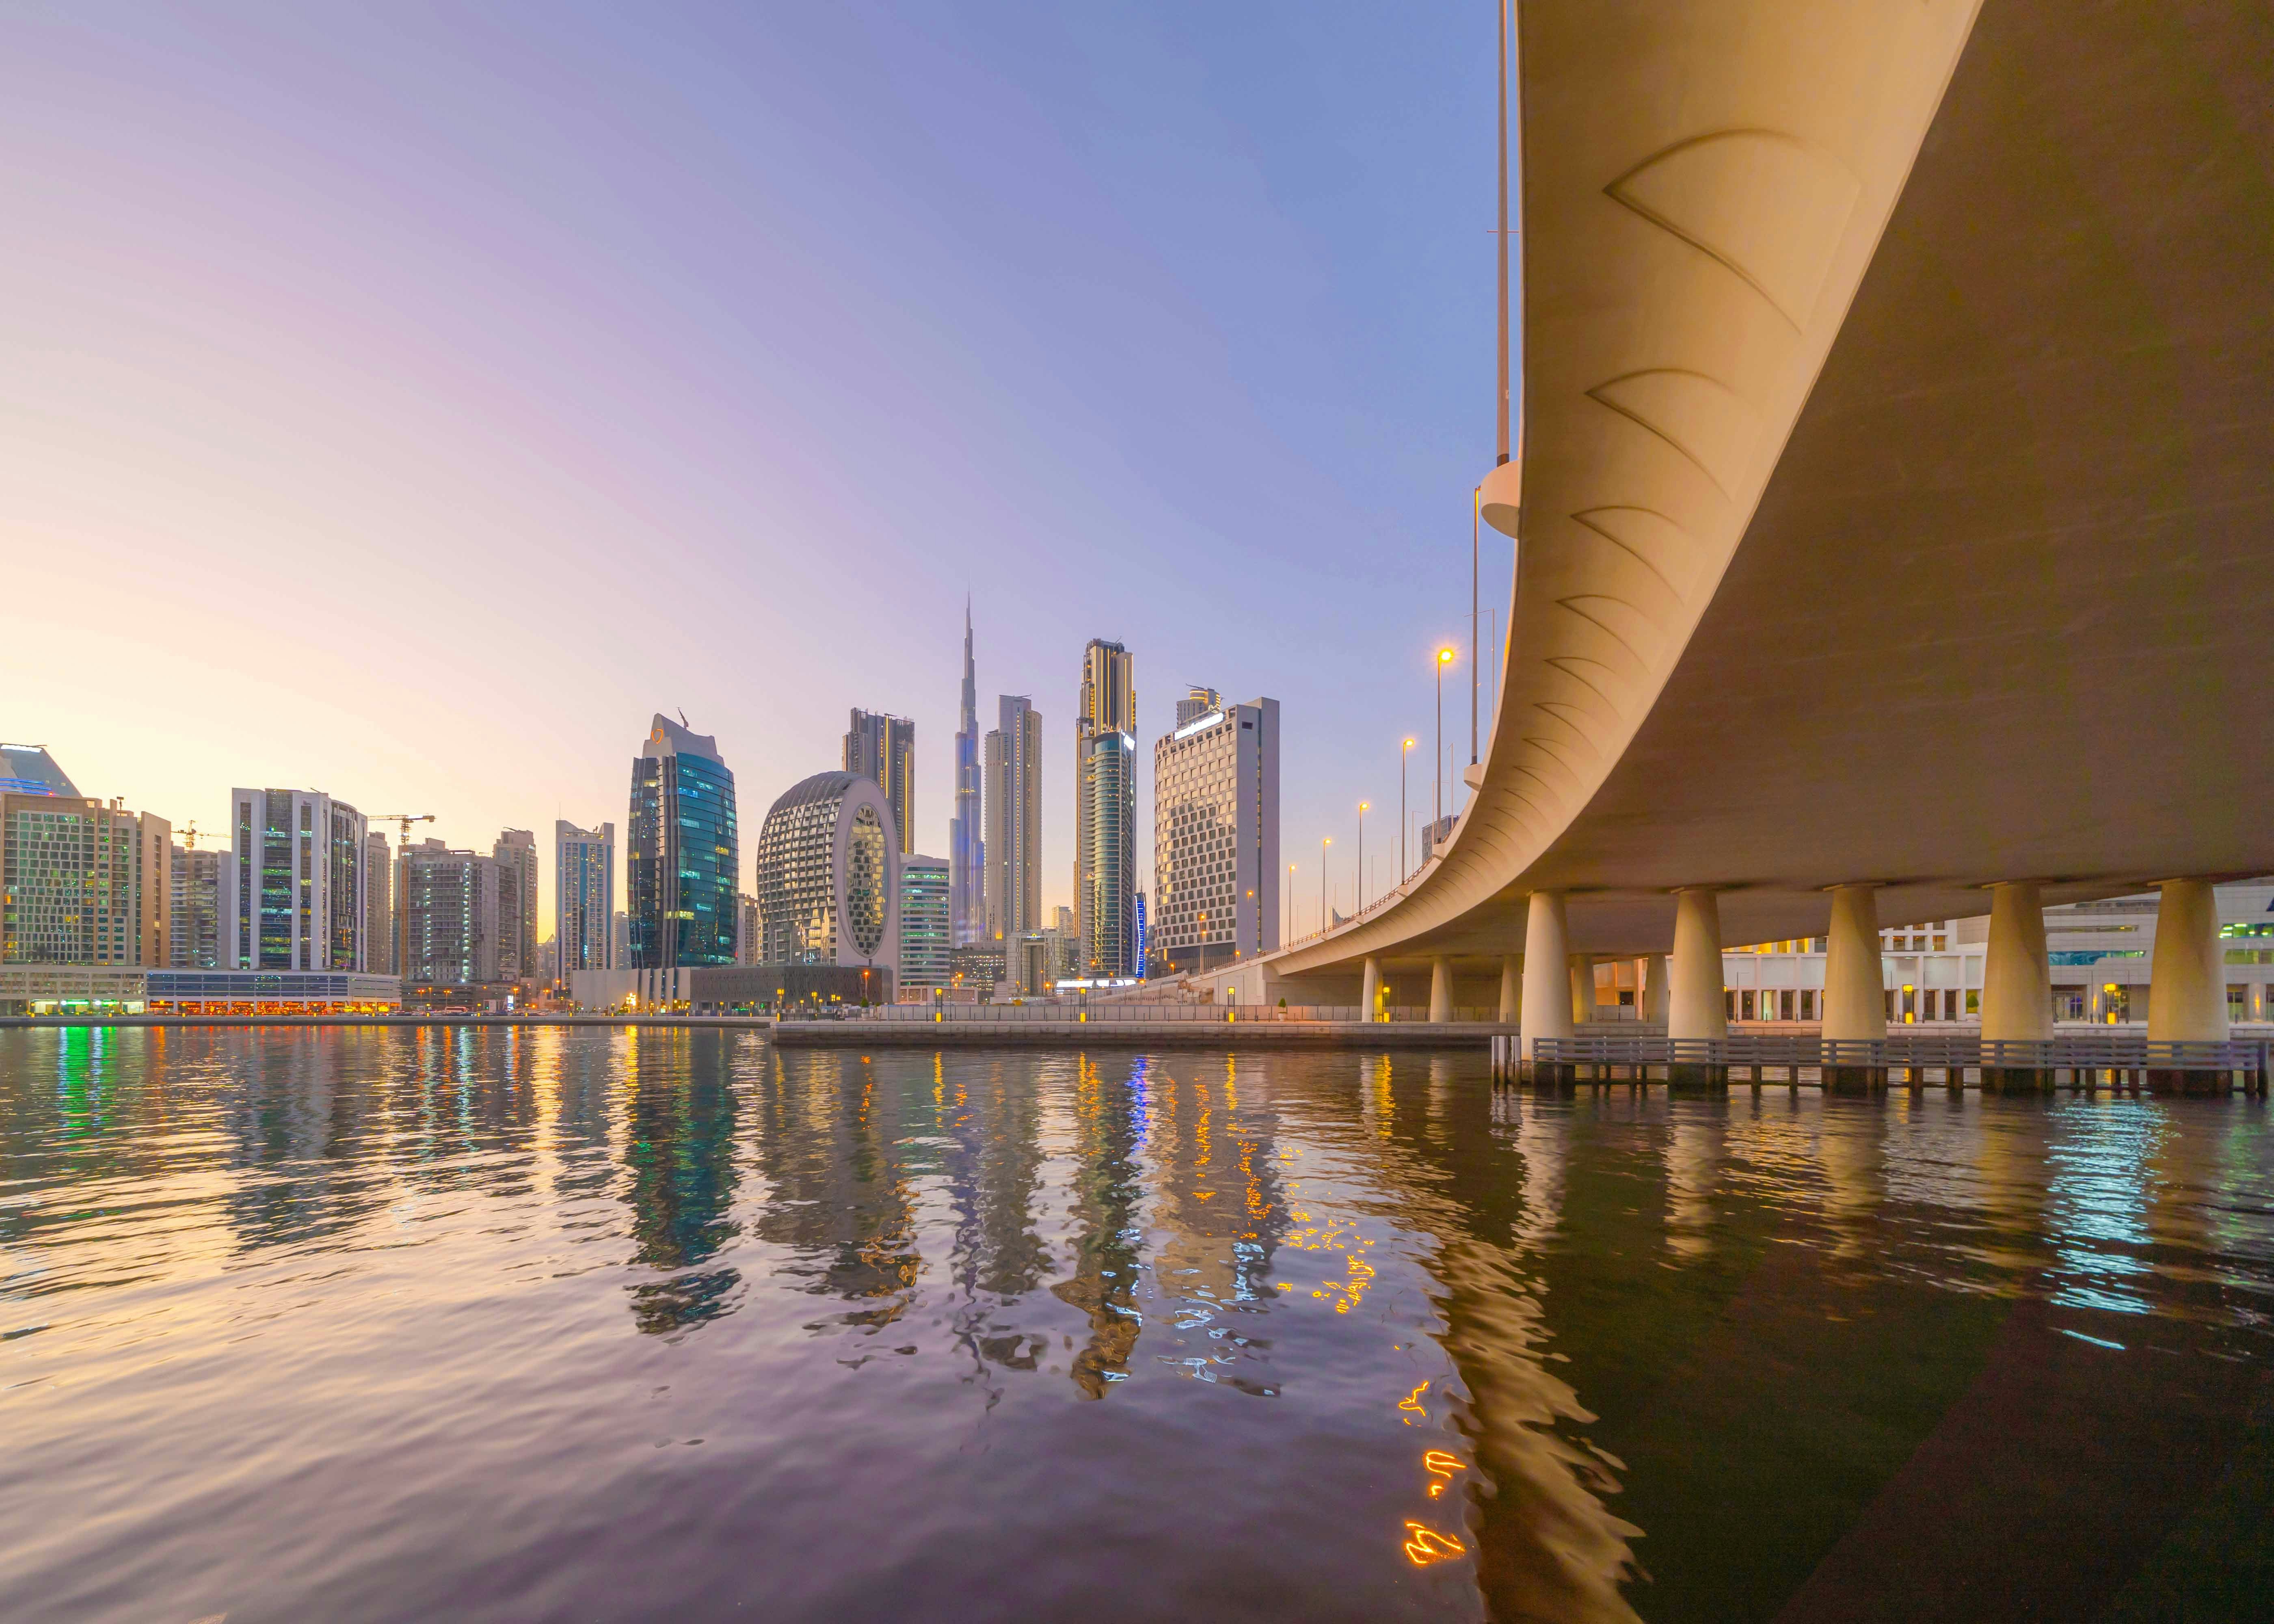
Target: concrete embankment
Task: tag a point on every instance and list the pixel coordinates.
(1247, 1035)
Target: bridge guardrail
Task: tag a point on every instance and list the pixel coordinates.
(2078, 1051)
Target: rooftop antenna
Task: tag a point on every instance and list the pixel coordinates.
(683, 722)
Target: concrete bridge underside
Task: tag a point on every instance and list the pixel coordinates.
(1897, 473)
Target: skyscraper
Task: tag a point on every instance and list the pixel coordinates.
(584, 893)
(1109, 940)
(1106, 808)
(883, 749)
(1215, 834)
(750, 934)
(377, 905)
(292, 894)
(829, 880)
(28, 769)
(967, 857)
(681, 852)
(923, 924)
(1014, 821)
(81, 882)
(515, 854)
(193, 920)
(447, 928)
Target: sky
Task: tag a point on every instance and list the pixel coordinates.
(408, 402)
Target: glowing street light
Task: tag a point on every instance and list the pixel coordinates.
(1437, 815)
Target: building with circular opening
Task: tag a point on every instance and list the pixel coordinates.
(829, 875)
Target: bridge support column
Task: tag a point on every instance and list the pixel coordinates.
(1695, 1008)
(2017, 988)
(1583, 988)
(1370, 997)
(1656, 1004)
(1855, 989)
(1546, 983)
(1441, 989)
(2187, 983)
(1512, 990)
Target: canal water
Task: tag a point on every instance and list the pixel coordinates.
(615, 1325)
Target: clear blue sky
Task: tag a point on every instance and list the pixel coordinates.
(407, 400)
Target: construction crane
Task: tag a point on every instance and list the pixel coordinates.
(402, 821)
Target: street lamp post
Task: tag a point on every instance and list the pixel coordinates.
(1324, 842)
(1360, 884)
(1404, 870)
(1437, 809)
(1287, 910)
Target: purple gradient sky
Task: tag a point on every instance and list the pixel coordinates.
(408, 401)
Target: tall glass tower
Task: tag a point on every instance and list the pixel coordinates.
(681, 852)
(967, 847)
(883, 749)
(1106, 808)
(584, 894)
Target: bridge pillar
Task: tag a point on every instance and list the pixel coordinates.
(1695, 1008)
(1854, 987)
(1547, 983)
(1441, 989)
(2017, 990)
(1657, 1006)
(1583, 988)
(1369, 996)
(2187, 983)
(1512, 990)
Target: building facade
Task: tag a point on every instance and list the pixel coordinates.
(1107, 708)
(584, 895)
(829, 875)
(883, 749)
(967, 868)
(1215, 834)
(925, 933)
(377, 905)
(749, 929)
(82, 882)
(104, 990)
(28, 769)
(447, 908)
(292, 895)
(1014, 820)
(515, 854)
(194, 929)
(1109, 929)
(681, 852)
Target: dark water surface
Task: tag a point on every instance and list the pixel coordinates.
(593, 1324)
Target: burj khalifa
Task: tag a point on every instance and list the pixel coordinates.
(967, 854)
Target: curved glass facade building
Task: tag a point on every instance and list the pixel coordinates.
(829, 875)
(680, 852)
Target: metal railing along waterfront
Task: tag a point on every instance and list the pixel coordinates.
(1179, 1011)
(2085, 1055)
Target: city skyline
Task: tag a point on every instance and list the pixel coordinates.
(347, 367)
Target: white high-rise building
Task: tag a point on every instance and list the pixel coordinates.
(1014, 821)
(584, 896)
(925, 928)
(292, 892)
(1215, 834)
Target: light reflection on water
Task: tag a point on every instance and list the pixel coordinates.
(550, 1324)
